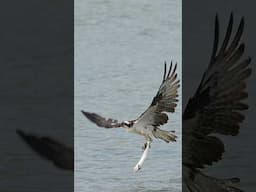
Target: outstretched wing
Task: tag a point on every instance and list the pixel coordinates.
(61, 155)
(165, 100)
(217, 104)
(101, 121)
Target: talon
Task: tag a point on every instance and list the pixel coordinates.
(144, 146)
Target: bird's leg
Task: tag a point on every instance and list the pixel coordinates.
(148, 142)
(144, 146)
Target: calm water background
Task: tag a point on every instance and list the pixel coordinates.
(120, 48)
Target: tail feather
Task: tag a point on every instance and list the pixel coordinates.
(167, 136)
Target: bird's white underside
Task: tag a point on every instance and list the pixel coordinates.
(147, 132)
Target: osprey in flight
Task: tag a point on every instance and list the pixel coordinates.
(148, 123)
(215, 108)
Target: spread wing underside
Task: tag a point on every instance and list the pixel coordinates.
(101, 121)
(165, 100)
(217, 104)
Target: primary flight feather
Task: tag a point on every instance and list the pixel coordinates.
(216, 107)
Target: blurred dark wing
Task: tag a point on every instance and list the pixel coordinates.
(61, 155)
(164, 101)
(101, 121)
(217, 104)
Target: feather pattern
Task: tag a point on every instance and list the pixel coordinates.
(165, 100)
(101, 121)
(217, 104)
(216, 107)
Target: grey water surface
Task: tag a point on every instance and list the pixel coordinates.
(120, 49)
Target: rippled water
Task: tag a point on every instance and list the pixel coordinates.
(120, 48)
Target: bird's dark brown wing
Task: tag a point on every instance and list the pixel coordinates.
(61, 155)
(219, 100)
(101, 121)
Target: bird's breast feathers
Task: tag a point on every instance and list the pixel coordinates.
(141, 130)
